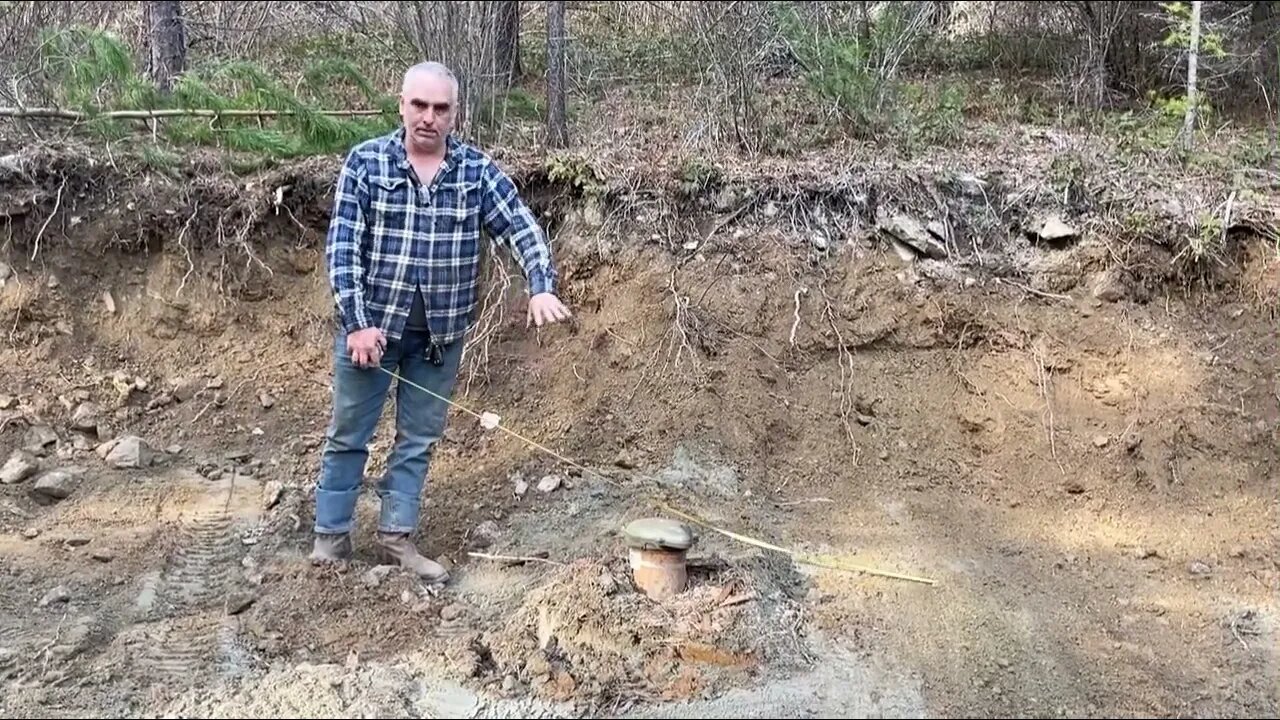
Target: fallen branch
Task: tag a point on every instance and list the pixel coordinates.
(514, 558)
(60, 114)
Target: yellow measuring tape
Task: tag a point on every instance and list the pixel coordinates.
(803, 558)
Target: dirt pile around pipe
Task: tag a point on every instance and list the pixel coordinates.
(587, 635)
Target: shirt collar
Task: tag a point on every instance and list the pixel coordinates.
(453, 150)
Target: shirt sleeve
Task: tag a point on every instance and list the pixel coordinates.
(344, 244)
(509, 219)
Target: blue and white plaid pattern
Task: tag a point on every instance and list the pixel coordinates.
(390, 234)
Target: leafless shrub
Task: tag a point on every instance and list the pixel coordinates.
(736, 38)
(463, 35)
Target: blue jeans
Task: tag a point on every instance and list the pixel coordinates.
(358, 399)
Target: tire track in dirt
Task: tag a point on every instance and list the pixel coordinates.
(202, 574)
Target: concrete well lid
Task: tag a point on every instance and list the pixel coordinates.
(658, 534)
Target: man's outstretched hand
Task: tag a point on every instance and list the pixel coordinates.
(366, 347)
(546, 308)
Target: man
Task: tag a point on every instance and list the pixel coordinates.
(403, 258)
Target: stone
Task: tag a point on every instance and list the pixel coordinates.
(57, 484)
(485, 534)
(1053, 229)
(549, 483)
(86, 417)
(1109, 286)
(130, 451)
(239, 602)
(909, 231)
(59, 594)
(374, 576)
(20, 466)
(272, 491)
(38, 438)
(185, 388)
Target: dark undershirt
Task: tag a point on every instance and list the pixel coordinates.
(417, 314)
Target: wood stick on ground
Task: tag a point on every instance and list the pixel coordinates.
(514, 558)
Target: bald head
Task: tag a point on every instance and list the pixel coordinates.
(428, 106)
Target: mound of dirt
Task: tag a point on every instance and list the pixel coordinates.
(587, 635)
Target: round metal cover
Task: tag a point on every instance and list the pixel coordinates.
(658, 534)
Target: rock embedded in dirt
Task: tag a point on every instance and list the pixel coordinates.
(20, 466)
(1100, 441)
(625, 461)
(266, 400)
(39, 438)
(58, 484)
(8, 402)
(86, 417)
(485, 534)
(550, 483)
(59, 594)
(1053, 229)
(452, 612)
(130, 451)
(1109, 286)
(272, 491)
(909, 231)
(374, 576)
(1198, 568)
(185, 388)
(239, 602)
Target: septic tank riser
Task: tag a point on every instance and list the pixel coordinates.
(660, 574)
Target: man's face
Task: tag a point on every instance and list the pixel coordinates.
(427, 108)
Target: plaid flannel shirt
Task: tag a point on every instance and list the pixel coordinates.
(390, 235)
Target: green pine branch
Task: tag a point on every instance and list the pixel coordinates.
(93, 73)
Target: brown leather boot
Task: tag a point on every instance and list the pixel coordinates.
(331, 549)
(397, 548)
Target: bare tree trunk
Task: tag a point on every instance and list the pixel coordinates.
(1193, 58)
(508, 40)
(1264, 28)
(557, 52)
(168, 42)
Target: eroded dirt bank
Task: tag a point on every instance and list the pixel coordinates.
(1070, 431)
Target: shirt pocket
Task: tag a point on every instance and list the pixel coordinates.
(389, 194)
(458, 204)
